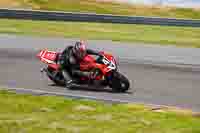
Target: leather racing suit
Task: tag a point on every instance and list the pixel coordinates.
(70, 65)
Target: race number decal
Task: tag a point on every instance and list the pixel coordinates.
(105, 61)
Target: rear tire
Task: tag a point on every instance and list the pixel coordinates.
(50, 72)
(120, 83)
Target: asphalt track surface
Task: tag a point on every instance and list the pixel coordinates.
(171, 86)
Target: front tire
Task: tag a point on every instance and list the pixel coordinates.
(120, 83)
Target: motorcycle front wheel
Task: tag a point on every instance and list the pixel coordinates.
(120, 83)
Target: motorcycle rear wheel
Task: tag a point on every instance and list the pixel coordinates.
(50, 72)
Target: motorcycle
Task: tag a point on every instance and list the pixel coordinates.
(104, 68)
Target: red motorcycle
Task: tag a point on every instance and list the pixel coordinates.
(104, 68)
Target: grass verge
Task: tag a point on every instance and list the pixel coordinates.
(164, 35)
(50, 114)
(98, 6)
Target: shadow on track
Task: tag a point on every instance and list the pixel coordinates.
(90, 88)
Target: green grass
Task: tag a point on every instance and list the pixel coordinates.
(102, 8)
(50, 114)
(164, 35)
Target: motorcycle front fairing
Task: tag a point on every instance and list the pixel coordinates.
(105, 64)
(87, 63)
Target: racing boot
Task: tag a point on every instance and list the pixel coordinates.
(69, 82)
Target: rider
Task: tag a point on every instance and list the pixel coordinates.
(70, 62)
